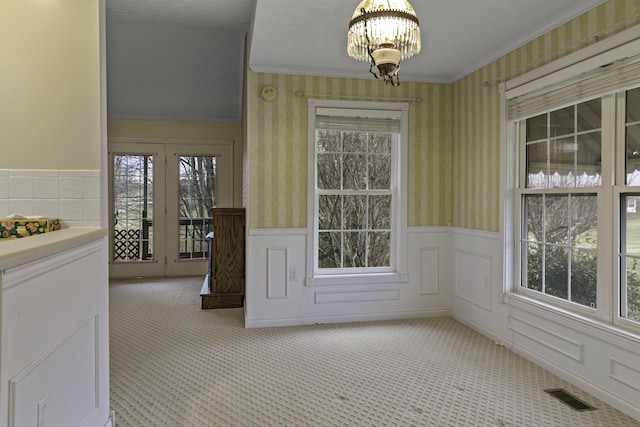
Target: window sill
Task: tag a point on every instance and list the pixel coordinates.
(357, 279)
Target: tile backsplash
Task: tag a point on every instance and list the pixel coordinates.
(73, 196)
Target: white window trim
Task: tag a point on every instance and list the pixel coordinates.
(618, 47)
(400, 258)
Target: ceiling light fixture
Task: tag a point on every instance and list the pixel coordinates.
(383, 32)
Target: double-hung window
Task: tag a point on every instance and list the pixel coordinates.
(576, 216)
(356, 191)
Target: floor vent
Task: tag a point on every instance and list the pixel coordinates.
(569, 399)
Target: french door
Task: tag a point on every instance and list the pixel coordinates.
(160, 198)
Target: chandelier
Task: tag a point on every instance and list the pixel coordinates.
(383, 32)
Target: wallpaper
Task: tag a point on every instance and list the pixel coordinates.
(454, 133)
(277, 148)
(476, 109)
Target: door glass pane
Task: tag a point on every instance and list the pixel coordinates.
(133, 207)
(196, 190)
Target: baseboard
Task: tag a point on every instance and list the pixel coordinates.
(482, 330)
(366, 317)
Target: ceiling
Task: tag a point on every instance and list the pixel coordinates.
(309, 38)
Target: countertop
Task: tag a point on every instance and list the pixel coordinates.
(14, 252)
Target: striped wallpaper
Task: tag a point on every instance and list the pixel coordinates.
(454, 140)
(277, 149)
(476, 109)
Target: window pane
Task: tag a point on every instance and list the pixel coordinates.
(379, 212)
(556, 275)
(354, 177)
(562, 122)
(329, 171)
(633, 105)
(633, 154)
(588, 158)
(631, 289)
(534, 255)
(330, 213)
(133, 207)
(379, 172)
(584, 270)
(329, 255)
(561, 158)
(354, 249)
(355, 212)
(631, 224)
(537, 128)
(355, 142)
(556, 219)
(379, 249)
(328, 141)
(589, 115)
(380, 143)
(533, 218)
(584, 221)
(537, 166)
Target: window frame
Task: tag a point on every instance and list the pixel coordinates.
(397, 272)
(618, 50)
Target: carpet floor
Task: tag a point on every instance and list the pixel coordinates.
(173, 364)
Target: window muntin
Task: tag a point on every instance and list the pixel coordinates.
(630, 212)
(354, 175)
(632, 136)
(559, 208)
(357, 170)
(559, 246)
(630, 257)
(563, 199)
(563, 147)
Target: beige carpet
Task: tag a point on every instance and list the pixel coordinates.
(173, 364)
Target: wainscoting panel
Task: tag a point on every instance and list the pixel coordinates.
(429, 271)
(66, 384)
(473, 278)
(364, 296)
(278, 292)
(560, 344)
(276, 273)
(625, 374)
(55, 340)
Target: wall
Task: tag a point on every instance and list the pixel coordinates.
(165, 130)
(476, 109)
(50, 72)
(277, 207)
(454, 175)
(51, 131)
(278, 146)
(597, 358)
(166, 72)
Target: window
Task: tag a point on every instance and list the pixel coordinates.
(559, 239)
(576, 143)
(356, 191)
(629, 217)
